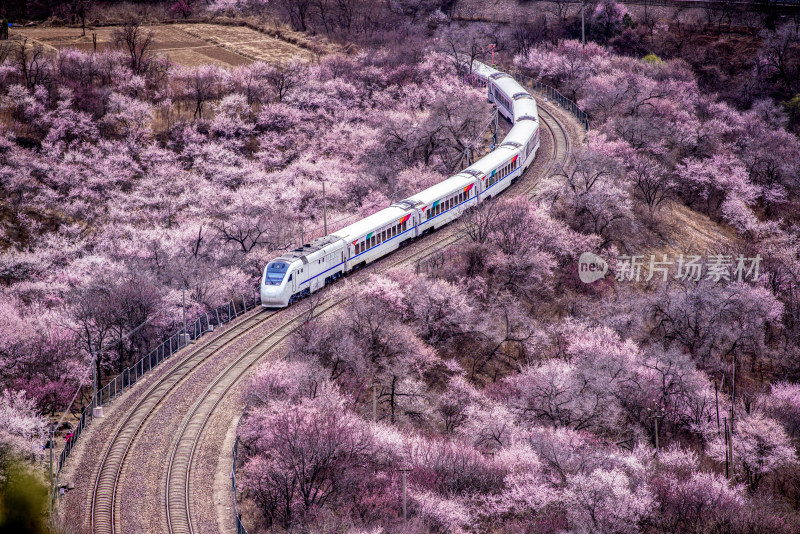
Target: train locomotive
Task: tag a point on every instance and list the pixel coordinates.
(299, 273)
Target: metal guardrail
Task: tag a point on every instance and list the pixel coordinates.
(239, 525)
(551, 94)
(131, 375)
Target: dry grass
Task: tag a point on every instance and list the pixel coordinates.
(186, 44)
(677, 229)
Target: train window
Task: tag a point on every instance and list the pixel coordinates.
(383, 235)
(290, 278)
(372, 242)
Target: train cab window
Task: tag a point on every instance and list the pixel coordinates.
(290, 278)
(275, 273)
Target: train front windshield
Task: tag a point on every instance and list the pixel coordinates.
(275, 273)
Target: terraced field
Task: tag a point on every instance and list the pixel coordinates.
(186, 44)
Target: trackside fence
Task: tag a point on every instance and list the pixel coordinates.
(206, 322)
(239, 525)
(551, 94)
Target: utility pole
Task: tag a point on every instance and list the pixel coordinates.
(404, 470)
(733, 389)
(583, 24)
(97, 410)
(183, 307)
(324, 210)
(491, 48)
(655, 422)
(51, 443)
(375, 402)
(727, 457)
(716, 401)
(496, 126)
(730, 444)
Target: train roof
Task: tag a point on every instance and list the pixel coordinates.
(442, 189)
(509, 86)
(312, 251)
(525, 107)
(520, 134)
(493, 159)
(376, 220)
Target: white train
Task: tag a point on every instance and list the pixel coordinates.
(301, 272)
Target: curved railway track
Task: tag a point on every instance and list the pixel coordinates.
(104, 495)
(178, 504)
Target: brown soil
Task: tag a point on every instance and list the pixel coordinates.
(185, 44)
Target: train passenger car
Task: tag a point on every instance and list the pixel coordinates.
(302, 271)
(524, 136)
(378, 235)
(498, 170)
(445, 201)
(502, 87)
